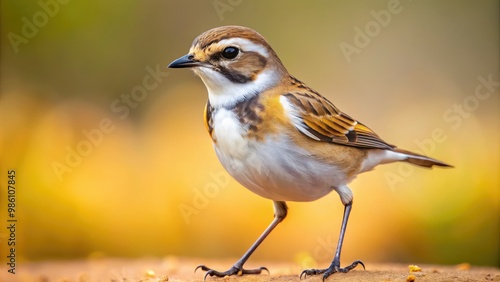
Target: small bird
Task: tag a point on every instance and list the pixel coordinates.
(278, 137)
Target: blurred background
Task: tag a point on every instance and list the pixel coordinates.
(112, 157)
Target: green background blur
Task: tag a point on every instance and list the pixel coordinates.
(154, 187)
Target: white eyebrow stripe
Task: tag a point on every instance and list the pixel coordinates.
(245, 45)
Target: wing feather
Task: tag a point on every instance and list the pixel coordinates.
(316, 117)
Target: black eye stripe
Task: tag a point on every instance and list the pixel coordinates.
(234, 75)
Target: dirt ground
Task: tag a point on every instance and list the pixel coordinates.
(182, 269)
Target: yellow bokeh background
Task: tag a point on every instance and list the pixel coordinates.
(153, 186)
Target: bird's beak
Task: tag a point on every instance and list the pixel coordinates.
(185, 61)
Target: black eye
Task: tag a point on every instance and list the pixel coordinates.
(230, 52)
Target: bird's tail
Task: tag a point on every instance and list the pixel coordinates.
(421, 160)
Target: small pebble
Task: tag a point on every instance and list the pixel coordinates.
(411, 278)
(150, 273)
(414, 268)
(463, 266)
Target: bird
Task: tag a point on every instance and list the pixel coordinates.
(278, 137)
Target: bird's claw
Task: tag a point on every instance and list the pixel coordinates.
(334, 267)
(232, 271)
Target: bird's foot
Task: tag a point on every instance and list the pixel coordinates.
(334, 267)
(235, 270)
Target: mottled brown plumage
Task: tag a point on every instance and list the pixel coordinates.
(217, 34)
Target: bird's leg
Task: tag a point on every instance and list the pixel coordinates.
(280, 212)
(335, 265)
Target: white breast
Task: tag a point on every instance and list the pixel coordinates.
(230, 143)
(274, 168)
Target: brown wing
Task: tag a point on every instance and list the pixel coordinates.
(318, 118)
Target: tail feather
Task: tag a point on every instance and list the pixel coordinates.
(421, 160)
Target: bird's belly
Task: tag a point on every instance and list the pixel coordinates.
(276, 169)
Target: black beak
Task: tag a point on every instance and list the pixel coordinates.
(185, 61)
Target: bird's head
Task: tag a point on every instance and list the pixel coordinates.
(234, 63)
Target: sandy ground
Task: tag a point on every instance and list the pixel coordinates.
(181, 269)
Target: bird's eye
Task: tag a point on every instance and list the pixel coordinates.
(230, 52)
